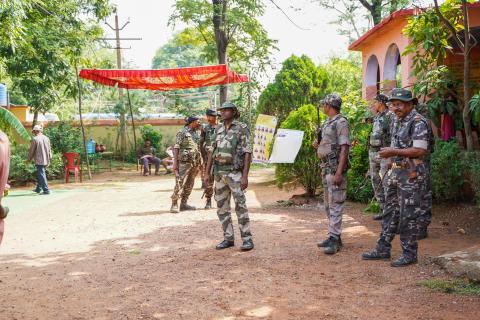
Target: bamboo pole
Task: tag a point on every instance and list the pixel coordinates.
(81, 121)
(133, 123)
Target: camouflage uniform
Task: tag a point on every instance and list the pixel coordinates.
(228, 153)
(207, 139)
(189, 159)
(406, 186)
(379, 138)
(335, 133)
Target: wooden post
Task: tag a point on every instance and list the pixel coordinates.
(133, 123)
(81, 121)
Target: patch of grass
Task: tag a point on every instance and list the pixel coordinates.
(373, 207)
(457, 286)
(134, 252)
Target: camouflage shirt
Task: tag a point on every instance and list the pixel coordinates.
(230, 147)
(411, 131)
(207, 137)
(335, 133)
(381, 130)
(187, 141)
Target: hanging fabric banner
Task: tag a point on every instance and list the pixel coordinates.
(287, 145)
(264, 133)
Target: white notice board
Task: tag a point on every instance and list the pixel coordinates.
(286, 146)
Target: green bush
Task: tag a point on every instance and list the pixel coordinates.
(472, 168)
(65, 138)
(447, 171)
(148, 132)
(306, 169)
(21, 172)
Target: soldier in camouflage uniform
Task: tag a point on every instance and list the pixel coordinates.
(186, 163)
(333, 152)
(207, 138)
(230, 160)
(407, 181)
(379, 138)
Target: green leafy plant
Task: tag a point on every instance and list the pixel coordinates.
(447, 171)
(9, 123)
(64, 138)
(148, 132)
(306, 170)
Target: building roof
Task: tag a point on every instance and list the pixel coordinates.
(401, 14)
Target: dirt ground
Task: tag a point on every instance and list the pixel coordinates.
(109, 249)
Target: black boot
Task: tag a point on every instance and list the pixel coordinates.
(224, 245)
(208, 205)
(247, 245)
(403, 261)
(376, 255)
(324, 243)
(185, 207)
(333, 246)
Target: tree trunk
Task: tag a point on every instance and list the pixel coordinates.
(466, 79)
(35, 118)
(219, 14)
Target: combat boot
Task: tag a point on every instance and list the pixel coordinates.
(225, 244)
(174, 208)
(403, 261)
(247, 245)
(208, 205)
(185, 207)
(324, 243)
(376, 255)
(333, 246)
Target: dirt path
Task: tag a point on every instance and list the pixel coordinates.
(110, 250)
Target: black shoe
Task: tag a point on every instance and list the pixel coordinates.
(37, 190)
(45, 192)
(247, 245)
(208, 205)
(186, 207)
(378, 217)
(403, 261)
(224, 245)
(376, 255)
(422, 234)
(324, 243)
(333, 246)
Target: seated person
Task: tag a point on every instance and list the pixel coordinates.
(147, 155)
(167, 162)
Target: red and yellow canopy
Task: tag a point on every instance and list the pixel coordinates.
(165, 79)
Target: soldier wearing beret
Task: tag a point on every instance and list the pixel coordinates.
(186, 163)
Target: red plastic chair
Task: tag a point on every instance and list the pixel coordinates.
(72, 163)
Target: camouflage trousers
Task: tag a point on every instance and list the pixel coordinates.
(209, 189)
(334, 201)
(425, 217)
(403, 207)
(378, 169)
(185, 181)
(228, 185)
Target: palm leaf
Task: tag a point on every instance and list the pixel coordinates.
(10, 120)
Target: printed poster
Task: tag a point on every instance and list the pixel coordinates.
(287, 145)
(264, 133)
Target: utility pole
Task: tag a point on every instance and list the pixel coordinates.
(118, 48)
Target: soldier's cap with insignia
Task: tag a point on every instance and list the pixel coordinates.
(382, 98)
(402, 95)
(211, 112)
(228, 105)
(333, 100)
(191, 118)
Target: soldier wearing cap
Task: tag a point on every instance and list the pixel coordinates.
(380, 137)
(407, 183)
(186, 163)
(230, 159)
(333, 153)
(207, 138)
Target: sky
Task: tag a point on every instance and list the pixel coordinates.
(149, 21)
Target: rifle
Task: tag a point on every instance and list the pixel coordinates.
(319, 128)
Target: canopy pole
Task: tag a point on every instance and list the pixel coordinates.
(81, 121)
(133, 123)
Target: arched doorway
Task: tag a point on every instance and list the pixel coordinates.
(392, 72)
(372, 78)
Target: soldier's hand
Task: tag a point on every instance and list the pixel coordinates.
(387, 152)
(244, 182)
